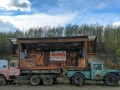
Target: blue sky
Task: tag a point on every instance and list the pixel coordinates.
(24, 14)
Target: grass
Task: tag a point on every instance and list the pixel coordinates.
(18, 82)
(63, 81)
(116, 85)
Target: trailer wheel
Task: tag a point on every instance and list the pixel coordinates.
(111, 79)
(78, 79)
(35, 80)
(2, 80)
(48, 80)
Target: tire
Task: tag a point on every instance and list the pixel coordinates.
(78, 79)
(48, 80)
(35, 80)
(70, 80)
(111, 79)
(2, 80)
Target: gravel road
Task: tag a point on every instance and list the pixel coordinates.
(60, 87)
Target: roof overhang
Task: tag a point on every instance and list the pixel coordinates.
(13, 40)
(92, 38)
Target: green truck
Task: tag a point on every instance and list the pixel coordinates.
(96, 71)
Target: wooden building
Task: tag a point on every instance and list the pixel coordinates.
(54, 52)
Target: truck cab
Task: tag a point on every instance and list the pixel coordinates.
(9, 73)
(96, 71)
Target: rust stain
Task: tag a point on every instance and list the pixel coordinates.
(97, 75)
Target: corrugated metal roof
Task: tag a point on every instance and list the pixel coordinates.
(83, 36)
(90, 38)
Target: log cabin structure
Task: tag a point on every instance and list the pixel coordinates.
(46, 53)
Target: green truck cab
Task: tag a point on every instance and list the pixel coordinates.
(96, 71)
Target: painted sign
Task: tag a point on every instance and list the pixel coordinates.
(57, 55)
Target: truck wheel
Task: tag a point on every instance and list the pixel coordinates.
(78, 79)
(35, 80)
(111, 79)
(2, 80)
(48, 80)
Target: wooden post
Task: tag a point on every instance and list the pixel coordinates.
(86, 53)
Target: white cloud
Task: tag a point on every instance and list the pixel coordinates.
(116, 23)
(40, 20)
(22, 5)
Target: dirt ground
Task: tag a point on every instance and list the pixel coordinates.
(88, 86)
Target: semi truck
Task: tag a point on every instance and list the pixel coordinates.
(43, 60)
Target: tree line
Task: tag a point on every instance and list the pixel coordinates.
(108, 38)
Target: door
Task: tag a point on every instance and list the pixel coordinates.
(97, 72)
(40, 58)
(13, 68)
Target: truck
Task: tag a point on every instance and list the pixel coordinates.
(45, 59)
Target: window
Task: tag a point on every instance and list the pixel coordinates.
(4, 66)
(97, 67)
(13, 64)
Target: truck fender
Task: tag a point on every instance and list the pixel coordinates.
(4, 76)
(78, 73)
(108, 74)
